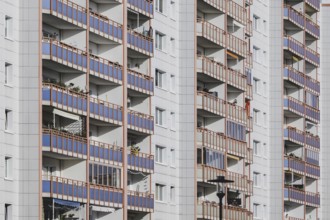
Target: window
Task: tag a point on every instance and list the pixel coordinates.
(256, 147)
(8, 212)
(8, 27)
(104, 175)
(256, 85)
(160, 41)
(264, 58)
(256, 20)
(265, 26)
(160, 154)
(265, 119)
(172, 46)
(172, 120)
(265, 181)
(172, 157)
(8, 120)
(160, 6)
(265, 89)
(256, 179)
(172, 10)
(160, 192)
(256, 54)
(255, 116)
(8, 73)
(160, 78)
(265, 150)
(160, 117)
(256, 210)
(8, 167)
(172, 194)
(172, 83)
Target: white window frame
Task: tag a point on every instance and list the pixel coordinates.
(173, 122)
(172, 157)
(160, 115)
(256, 179)
(256, 119)
(160, 154)
(160, 6)
(256, 86)
(256, 148)
(160, 79)
(8, 27)
(8, 167)
(172, 194)
(8, 74)
(8, 211)
(8, 120)
(172, 83)
(160, 192)
(160, 41)
(256, 20)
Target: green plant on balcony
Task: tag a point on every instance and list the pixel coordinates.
(135, 150)
(76, 89)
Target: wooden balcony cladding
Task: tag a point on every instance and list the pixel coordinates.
(105, 111)
(211, 68)
(140, 201)
(211, 32)
(211, 139)
(64, 188)
(64, 143)
(67, 11)
(211, 103)
(145, 7)
(140, 122)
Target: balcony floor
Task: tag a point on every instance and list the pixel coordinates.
(59, 23)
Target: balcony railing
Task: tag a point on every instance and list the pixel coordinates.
(141, 162)
(249, 187)
(294, 105)
(249, 2)
(249, 123)
(312, 199)
(64, 143)
(312, 114)
(313, 85)
(211, 68)
(312, 141)
(105, 111)
(294, 135)
(248, 29)
(63, 98)
(64, 54)
(249, 156)
(140, 82)
(105, 196)
(218, 4)
(210, 211)
(249, 92)
(67, 11)
(140, 201)
(295, 165)
(235, 147)
(312, 56)
(145, 7)
(205, 173)
(312, 157)
(237, 79)
(140, 122)
(312, 28)
(140, 42)
(211, 139)
(240, 181)
(237, 45)
(294, 195)
(105, 69)
(312, 171)
(294, 218)
(105, 27)
(65, 189)
(211, 32)
(236, 113)
(237, 12)
(294, 46)
(105, 153)
(248, 61)
(211, 103)
(314, 3)
(294, 76)
(294, 16)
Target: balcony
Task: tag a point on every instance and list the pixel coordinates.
(140, 122)
(294, 46)
(249, 188)
(312, 28)
(240, 181)
(294, 195)
(211, 68)
(312, 56)
(249, 92)
(105, 69)
(210, 211)
(141, 162)
(249, 156)
(236, 113)
(64, 98)
(210, 33)
(249, 2)
(248, 62)
(236, 45)
(312, 141)
(104, 27)
(294, 76)
(237, 148)
(248, 28)
(64, 143)
(105, 111)
(237, 12)
(140, 82)
(313, 199)
(295, 106)
(145, 7)
(237, 79)
(312, 157)
(314, 4)
(294, 135)
(140, 201)
(294, 165)
(63, 188)
(218, 4)
(205, 173)
(105, 153)
(70, 57)
(312, 171)
(312, 114)
(66, 11)
(249, 123)
(105, 196)
(211, 104)
(313, 85)
(140, 43)
(211, 139)
(294, 16)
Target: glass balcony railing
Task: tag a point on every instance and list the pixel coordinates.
(294, 165)
(65, 189)
(312, 171)
(211, 139)
(312, 28)
(140, 122)
(314, 3)
(66, 10)
(218, 4)
(64, 98)
(64, 143)
(141, 162)
(140, 82)
(237, 79)
(105, 69)
(105, 27)
(294, 195)
(105, 196)
(294, 105)
(211, 32)
(313, 199)
(211, 68)
(105, 153)
(237, 45)
(140, 42)
(294, 46)
(211, 103)
(294, 135)
(294, 75)
(145, 7)
(64, 54)
(294, 16)
(237, 12)
(105, 111)
(140, 201)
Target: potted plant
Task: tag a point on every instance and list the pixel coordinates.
(135, 150)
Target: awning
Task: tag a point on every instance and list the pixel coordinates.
(67, 203)
(66, 115)
(232, 55)
(102, 209)
(232, 157)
